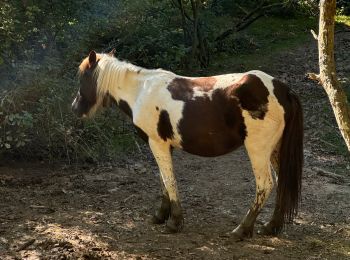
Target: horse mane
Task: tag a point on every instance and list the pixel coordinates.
(110, 71)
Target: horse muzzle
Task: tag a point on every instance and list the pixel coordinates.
(76, 109)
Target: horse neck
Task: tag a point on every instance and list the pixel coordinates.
(128, 87)
(122, 83)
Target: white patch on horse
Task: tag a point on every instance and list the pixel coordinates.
(226, 80)
(155, 95)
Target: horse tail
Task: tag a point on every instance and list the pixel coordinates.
(291, 158)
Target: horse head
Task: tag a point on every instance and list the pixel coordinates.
(88, 100)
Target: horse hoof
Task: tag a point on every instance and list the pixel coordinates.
(270, 229)
(241, 232)
(159, 217)
(156, 220)
(174, 225)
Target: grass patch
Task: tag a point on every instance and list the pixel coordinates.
(343, 19)
(266, 38)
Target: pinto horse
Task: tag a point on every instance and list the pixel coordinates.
(206, 116)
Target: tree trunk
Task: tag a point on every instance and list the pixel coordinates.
(187, 35)
(195, 50)
(199, 48)
(327, 76)
(193, 33)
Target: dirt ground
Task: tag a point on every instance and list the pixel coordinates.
(103, 212)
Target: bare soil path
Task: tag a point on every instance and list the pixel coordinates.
(103, 212)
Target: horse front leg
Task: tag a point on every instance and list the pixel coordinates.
(162, 154)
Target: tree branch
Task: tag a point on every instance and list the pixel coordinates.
(314, 76)
(254, 15)
(180, 6)
(314, 34)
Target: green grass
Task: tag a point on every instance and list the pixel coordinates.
(267, 37)
(343, 19)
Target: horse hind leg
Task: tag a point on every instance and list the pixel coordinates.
(260, 160)
(275, 225)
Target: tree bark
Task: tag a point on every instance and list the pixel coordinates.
(327, 76)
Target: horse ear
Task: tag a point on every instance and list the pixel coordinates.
(92, 57)
(112, 52)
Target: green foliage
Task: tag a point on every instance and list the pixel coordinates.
(39, 80)
(343, 19)
(14, 130)
(309, 7)
(343, 7)
(50, 131)
(253, 47)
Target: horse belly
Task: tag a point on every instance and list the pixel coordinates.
(212, 126)
(211, 138)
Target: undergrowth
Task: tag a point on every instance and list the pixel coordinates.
(263, 40)
(343, 19)
(36, 122)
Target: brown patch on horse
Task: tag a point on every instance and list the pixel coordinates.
(124, 106)
(204, 83)
(212, 126)
(183, 88)
(141, 133)
(252, 95)
(165, 129)
(108, 100)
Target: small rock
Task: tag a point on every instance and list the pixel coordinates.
(143, 170)
(113, 190)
